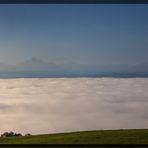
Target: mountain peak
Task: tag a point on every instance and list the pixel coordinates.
(36, 62)
(33, 59)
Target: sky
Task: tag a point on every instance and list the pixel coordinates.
(89, 34)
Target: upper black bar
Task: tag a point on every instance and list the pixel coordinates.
(73, 1)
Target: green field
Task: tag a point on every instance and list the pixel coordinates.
(132, 136)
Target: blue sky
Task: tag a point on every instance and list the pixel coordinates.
(82, 33)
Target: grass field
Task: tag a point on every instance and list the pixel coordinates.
(135, 136)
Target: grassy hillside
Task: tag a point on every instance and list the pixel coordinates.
(136, 136)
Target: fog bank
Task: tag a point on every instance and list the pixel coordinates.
(52, 105)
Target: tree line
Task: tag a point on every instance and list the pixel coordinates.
(12, 134)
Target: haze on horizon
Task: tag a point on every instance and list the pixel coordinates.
(90, 34)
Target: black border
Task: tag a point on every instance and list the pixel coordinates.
(73, 145)
(73, 1)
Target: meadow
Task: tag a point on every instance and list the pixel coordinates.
(126, 136)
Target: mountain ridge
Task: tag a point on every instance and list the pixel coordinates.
(38, 67)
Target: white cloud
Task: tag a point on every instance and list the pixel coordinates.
(70, 104)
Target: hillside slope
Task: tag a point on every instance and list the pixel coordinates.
(136, 136)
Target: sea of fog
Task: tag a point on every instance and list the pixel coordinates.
(53, 105)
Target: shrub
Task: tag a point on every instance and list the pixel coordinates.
(10, 134)
(28, 134)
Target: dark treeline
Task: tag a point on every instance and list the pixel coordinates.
(12, 134)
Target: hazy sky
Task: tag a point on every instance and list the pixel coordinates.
(83, 33)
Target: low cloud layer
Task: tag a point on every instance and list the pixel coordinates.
(55, 105)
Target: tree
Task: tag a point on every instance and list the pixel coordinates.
(28, 134)
(10, 134)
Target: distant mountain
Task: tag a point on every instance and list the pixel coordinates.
(35, 62)
(35, 67)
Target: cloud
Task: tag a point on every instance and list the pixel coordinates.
(70, 104)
